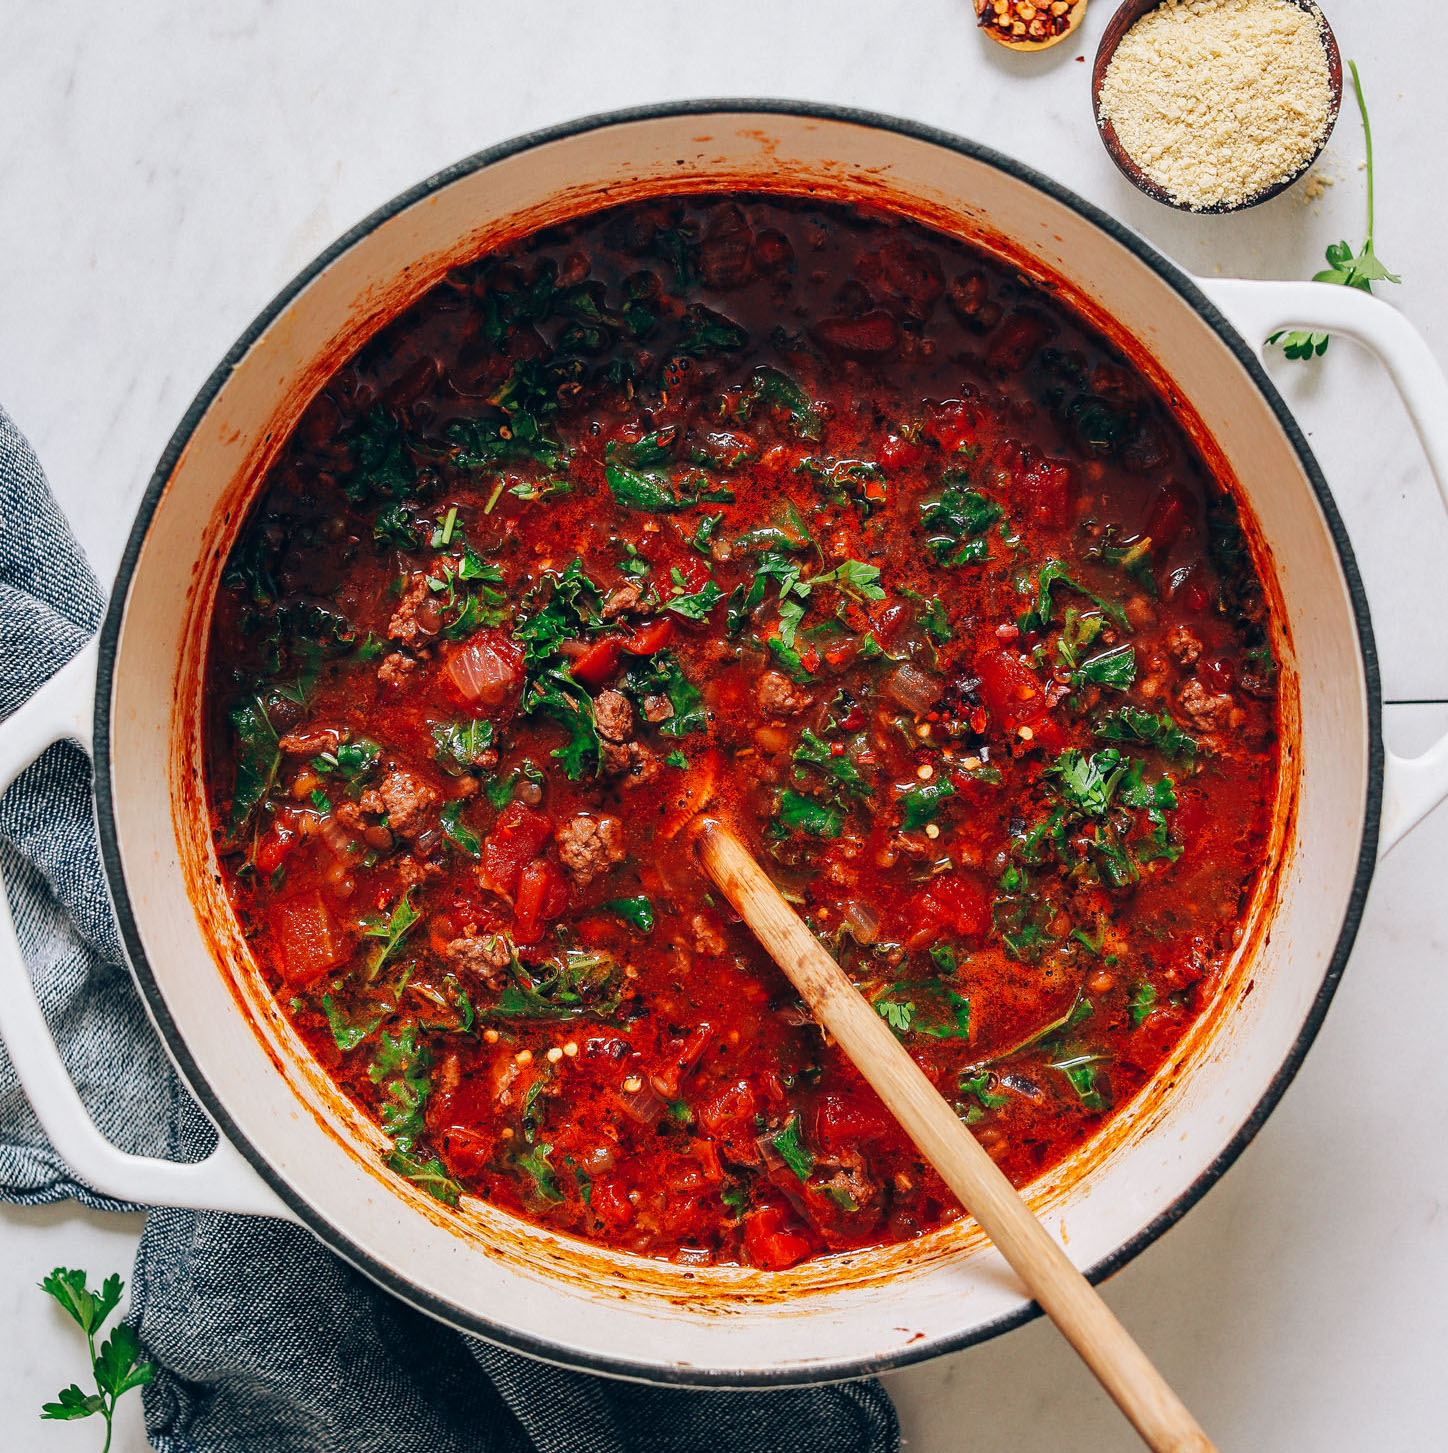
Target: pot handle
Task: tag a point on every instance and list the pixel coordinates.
(1412, 786)
(225, 1181)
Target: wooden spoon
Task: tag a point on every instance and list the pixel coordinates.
(986, 12)
(1064, 1294)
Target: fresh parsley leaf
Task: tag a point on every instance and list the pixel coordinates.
(1143, 1001)
(258, 755)
(429, 1175)
(540, 1171)
(457, 832)
(898, 1016)
(462, 746)
(1132, 725)
(1115, 668)
(791, 613)
(777, 392)
(117, 1366)
(1345, 267)
(1089, 782)
(839, 768)
(1052, 574)
(957, 521)
(853, 578)
(676, 759)
(922, 804)
(806, 815)
(695, 607)
(934, 1010)
(391, 930)
(637, 911)
(787, 1142)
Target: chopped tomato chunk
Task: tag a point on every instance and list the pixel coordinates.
(770, 1242)
(1012, 691)
(594, 666)
(609, 1203)
(542, 893)
(306, 938)
(518, 836)
(843, 1121)
(871, 335)
(280, 838)
(1046, 489)
(650, 637)
(728, 1114)
(1170, 517)
(950, 903)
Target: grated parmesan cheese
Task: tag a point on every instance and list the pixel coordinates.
(1218, 100)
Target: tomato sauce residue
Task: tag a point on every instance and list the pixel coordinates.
(805, 513)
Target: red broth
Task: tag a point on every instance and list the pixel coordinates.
(810, 514)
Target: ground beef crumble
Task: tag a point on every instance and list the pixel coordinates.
(405, 799)
(485, 955)
(779, 696)
(588, 845)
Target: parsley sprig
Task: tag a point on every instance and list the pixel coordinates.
(117, 1367)
(1352, 270)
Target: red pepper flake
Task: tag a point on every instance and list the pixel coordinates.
(810, 659)
(1017, 21)
(837, 749)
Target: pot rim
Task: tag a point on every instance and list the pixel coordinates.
(393, 1280)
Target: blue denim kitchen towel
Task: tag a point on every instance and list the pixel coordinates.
(264, 1340)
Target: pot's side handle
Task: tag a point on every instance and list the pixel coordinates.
(1413, 786)
(60, 711)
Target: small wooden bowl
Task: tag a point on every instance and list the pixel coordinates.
(1074, 17)
(1127, 16)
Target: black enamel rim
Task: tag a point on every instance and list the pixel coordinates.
(553, 1352)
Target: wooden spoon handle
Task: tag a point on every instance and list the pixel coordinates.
(1064, 1294)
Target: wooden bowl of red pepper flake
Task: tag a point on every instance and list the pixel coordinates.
(1029, 24)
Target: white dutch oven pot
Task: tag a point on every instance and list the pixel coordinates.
(291, 1147)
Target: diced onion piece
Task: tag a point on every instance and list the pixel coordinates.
(908, 685)
(861, 920)
(338, 840)
(644, 1104)
(488, 670)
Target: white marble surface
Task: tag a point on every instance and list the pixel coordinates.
(165, 167)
